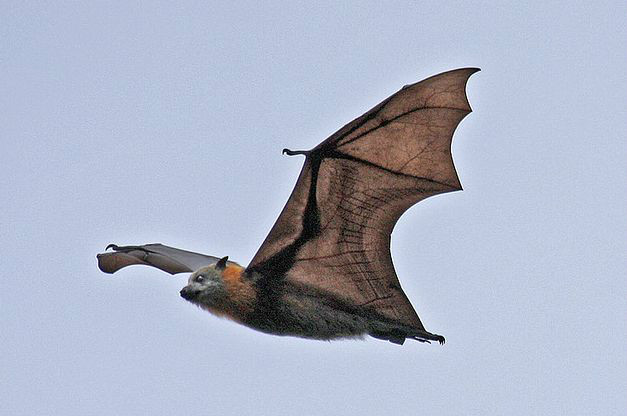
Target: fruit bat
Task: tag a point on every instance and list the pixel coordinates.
(325, 269)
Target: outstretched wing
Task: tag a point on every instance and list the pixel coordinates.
(168, 259)
(333, 234)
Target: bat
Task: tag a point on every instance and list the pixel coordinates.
(325, 270)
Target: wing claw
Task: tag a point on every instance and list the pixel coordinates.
(294, 152)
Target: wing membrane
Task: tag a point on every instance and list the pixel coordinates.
(168, 259)
(334, 232)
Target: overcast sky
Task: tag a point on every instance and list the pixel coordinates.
(164, 122)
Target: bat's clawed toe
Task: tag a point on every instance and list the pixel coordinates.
(429, 338)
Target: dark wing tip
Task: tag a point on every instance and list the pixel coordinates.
(469, 70)
(469, 73)
(458, 78)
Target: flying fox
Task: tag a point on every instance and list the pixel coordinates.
(325, 270)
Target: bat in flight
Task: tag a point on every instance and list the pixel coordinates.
(325, 270)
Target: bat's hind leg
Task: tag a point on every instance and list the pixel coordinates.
(398, 336)
(424, 336)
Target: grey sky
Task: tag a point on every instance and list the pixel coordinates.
(159, 122)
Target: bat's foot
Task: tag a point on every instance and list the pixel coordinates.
(295, 152)
(399, 336)
(428, 337)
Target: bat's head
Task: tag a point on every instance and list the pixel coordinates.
(206, 285)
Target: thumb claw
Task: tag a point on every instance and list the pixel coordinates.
(295, 152)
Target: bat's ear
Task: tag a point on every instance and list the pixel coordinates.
(221, 264)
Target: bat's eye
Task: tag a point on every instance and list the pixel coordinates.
(200, 278)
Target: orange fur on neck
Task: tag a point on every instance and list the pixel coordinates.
(241, 294)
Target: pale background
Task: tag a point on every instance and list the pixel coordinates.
(163, 122)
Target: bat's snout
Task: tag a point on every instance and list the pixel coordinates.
(187, 293)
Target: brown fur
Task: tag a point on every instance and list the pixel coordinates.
(240, 295)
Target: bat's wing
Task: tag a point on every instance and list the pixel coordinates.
(334, 232)
(168, 259)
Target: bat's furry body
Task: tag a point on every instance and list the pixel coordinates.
(325, 269)
(300, 311)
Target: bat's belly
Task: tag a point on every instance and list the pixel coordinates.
(307, 318)
(313, 317)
